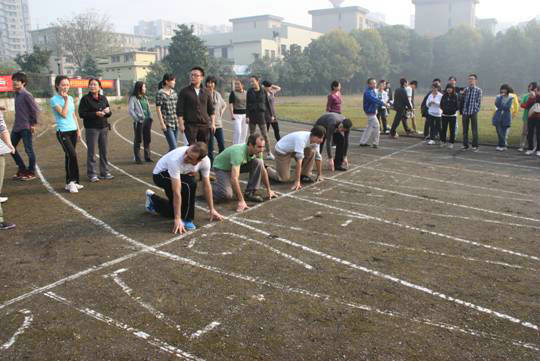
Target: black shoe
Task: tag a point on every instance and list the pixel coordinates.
(138, 161)
(148, 160)
(252, 197)
(341, 169)
(306, 179)
(364, 145)
(5, 226)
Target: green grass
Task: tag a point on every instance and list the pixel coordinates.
(309, 108)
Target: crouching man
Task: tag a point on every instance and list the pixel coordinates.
(241, 158)
(305, 148)
(175, 173)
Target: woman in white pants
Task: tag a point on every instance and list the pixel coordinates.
(237, 104)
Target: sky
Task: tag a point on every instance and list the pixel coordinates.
(124, 14)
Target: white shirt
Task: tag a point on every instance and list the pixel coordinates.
(173, 162)
(383, 97)
(197, 90)
(435, 108)
(296, 142)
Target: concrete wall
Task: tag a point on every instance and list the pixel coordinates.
(434, 18)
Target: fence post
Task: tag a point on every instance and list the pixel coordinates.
(118, 90)
(79, 90)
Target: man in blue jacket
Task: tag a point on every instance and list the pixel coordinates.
(371, 104)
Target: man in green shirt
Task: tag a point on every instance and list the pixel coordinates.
(236, 159)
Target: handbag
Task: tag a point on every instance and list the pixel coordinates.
(534, 109)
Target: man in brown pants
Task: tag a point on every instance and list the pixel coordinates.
(305, 148)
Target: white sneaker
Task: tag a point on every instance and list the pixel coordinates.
(450, 146)
(529, 152)
(72, 187)
(79, 186)
(475, 149)
(504, 149)
(270, 156)
(3, 199)
(520, 149)
(538, 154)
(149, 205)
(498, 149)
(431, 142)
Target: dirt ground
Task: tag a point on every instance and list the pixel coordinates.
(415, 253)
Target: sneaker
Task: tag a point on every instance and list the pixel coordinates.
(465, 147)
(148, 160)
(364, 145)
(18, 176)
(5, 226)
(72, 187)
(28, 175)
(538, 153)
(252, 197)
(498, 149)
(431, 142)
(94, 179)
(530, 152)
(504, 149)
(374, 146)
(79, 186)
(3, 199)
(341, 169)
(395, 136)
(306, 179)
(149, 205)
(270, 156)
(521, 149)
(475, 149)
(450, 146)
(189, 225)
(106, 176)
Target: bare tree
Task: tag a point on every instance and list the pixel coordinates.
(87, 34)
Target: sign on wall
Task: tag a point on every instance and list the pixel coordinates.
(83, 83)
(6, 84)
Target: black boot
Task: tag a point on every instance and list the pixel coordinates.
(147, 157)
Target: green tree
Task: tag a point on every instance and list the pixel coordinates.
(333, 56)
(397, 39)
(265, 68)
(295, 72)
(420, 60)
(373, 55)
(90, 68)
(154, 77)
(35, 62)
(185, 52)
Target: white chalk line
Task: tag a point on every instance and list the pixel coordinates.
(194, 241)
(475, 219)
(247, 239)
(171, 257)
(205, 330)
(472, 259)
(466, 186)
(115, 276)
(154, 341)
(346, 223)
(28, 318)
(408, 195)
(397, 280)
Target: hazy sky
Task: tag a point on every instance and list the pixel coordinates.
(125, 13)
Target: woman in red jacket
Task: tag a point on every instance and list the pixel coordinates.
(534, 120)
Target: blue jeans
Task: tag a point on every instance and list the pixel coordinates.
(26, 136)
(171, 134)
(501, 134)
(220, 141)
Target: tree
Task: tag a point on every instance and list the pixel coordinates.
(185, 52)
(35, 62)
(333, 56)
(86, 34)
(265, 68)
(373, 55)
(221, 68)
(90, 68)
(154, 76)
(295, 72)
(397, 40)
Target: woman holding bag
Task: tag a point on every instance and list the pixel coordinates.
(139, 110)
(94, 109)
(502, 119)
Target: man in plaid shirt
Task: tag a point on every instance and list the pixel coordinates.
(472, 99)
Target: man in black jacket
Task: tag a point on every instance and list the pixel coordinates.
(195, 110)
(256, 101)
(401, 105)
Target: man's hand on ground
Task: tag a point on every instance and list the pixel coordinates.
(242, 206)
(215, 216)
(179, 227)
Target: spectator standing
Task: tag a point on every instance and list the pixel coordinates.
(257, 101)
(94, 109)
(502, 119)
(219, 108)
(371, 103)
(424, 109)
(411, 93)
(8, 147)
(237, 104)
(139, 110)
(532, 87)
(67, 130)
(166, 100)
(335, 99)
(449, 107)
(271, 116)
(434, 114)
(382, 112)
(472, 100)
(533, 122)
(26, 117)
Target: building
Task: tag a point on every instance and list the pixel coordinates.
(163, 29)
(256, 37)
(14, 29)
(130, 66)
(487, 25)
(437, 17)
(61, 62)
(347, 18)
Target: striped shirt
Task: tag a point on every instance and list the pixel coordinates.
(472, 99)
(167, 104)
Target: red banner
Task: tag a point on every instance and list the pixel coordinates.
(83, 83)
(6, 84)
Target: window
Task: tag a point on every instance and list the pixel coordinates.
(267, 53)
(283, 49)
(273, 52)
(211, 52)
(225, 53)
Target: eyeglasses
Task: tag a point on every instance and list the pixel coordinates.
(196, 76)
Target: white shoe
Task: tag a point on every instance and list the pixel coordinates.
(538, 154)
(475, 149)
(498, 149)
(79, 186)
(72, 187)
(431, 142)
(504, 149)
(450, 146)
(149, 205)
(3, 199)
(529, 152)
(520, 149)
